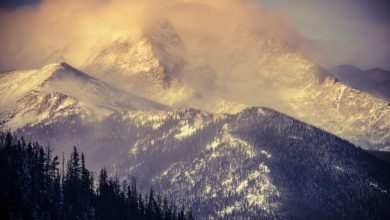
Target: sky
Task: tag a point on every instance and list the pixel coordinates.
(17, 3)
(354, 32)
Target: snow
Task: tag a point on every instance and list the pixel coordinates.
(268, 155)
(242, 186)
(59, 90)
(376, 186)
(207, 189)
(261, 111)
(185, 131)
(223, 167)
(213, 145)
(257, 195)
(271, 74)
(229, 209)
(338, 168)
(227, 181)
(280, 78)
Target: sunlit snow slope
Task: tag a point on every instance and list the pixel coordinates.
(58, 91)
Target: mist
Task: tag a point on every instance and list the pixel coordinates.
(354, 32)
(69, 30)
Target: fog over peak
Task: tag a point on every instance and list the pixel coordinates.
(60, 30)
(34, 32)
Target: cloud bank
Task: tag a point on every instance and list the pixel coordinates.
(68, 30)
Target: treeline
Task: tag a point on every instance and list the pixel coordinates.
(34, 184)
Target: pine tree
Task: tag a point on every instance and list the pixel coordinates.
(181, 215)
(34, 188)
(86, 191)
(167, 211)
(72, 187)
(102, 195)
(189, 215)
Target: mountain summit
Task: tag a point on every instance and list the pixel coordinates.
(148, 65)
(59, 90)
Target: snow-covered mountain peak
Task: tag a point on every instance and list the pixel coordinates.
(167, 46)
(277, 63)
(159, 52)
(148, 65)
(56, 71)
(54, 66)
(60, 90)
(16, 84)
(164, 34)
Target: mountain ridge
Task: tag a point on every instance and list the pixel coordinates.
(375, 81)
(258, 162)
(60, 89)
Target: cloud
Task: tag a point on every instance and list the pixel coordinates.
(69, 30)
(347, 32)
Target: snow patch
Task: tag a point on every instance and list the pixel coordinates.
(376, 186)
(185, 131)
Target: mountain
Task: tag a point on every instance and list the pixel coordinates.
(148, 65)
(257, 163)
(374, 81)
(58, 91)
(250, 69)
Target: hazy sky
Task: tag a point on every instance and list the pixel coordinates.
(353, 32)
(350, 31)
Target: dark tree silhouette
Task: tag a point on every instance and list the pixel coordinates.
(32, 187)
